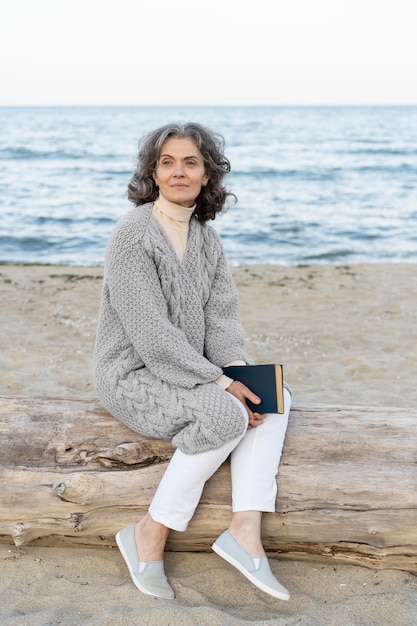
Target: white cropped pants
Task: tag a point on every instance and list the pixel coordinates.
(255, 457)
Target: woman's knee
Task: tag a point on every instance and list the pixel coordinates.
(230, 421)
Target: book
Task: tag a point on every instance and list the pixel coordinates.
(266, 381)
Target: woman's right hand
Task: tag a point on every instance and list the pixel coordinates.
(243, 393)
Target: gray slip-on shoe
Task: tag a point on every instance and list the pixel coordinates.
(152, 580)
(262, 577)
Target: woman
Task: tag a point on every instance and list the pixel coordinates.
(168, 323)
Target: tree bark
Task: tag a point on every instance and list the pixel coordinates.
(347, 484)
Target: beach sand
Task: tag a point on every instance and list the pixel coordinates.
(345, 334)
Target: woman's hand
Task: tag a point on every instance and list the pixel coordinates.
(243, 393)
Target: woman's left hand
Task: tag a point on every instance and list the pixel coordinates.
(243, 393)
(255, 419)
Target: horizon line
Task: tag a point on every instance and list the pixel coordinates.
(324, 104)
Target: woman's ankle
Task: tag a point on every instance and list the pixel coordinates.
(245, 528)
(150, 537)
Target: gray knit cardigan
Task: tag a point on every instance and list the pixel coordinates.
(164, 332)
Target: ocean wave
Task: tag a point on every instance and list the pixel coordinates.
(14, 153)
(314, 184)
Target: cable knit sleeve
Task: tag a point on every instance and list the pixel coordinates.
(225, 338)
(136, 296)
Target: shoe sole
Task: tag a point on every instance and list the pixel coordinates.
(248, 575)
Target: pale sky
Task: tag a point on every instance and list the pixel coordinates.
(136, 52)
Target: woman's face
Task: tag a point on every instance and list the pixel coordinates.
(180, 172)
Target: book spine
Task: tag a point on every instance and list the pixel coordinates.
(279, 387)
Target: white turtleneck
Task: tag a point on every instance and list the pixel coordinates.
(175, 220)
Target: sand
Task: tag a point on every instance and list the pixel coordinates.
(345, 334)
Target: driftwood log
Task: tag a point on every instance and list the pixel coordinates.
(347, 486)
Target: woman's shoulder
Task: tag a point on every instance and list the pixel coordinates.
(211, 239)
(127, 237)
(209, 232)
(208, 245)
(132, 226)
(136, 219)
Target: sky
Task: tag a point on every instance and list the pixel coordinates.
(218, 52)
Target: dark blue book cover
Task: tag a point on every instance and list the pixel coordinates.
(266, 381)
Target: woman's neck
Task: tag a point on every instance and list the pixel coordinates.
(174, 211)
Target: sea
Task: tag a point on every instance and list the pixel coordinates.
(315, 185)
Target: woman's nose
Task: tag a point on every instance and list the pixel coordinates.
(178, 169)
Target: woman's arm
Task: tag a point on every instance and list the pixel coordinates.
(136, 296)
